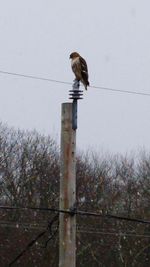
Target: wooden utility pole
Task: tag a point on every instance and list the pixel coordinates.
(67, 221)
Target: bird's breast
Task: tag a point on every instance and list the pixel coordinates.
(75, 61)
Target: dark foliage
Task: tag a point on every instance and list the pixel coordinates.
(29, 176)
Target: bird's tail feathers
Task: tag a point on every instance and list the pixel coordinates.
(87, 84)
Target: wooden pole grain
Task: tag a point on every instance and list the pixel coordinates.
(67, 221)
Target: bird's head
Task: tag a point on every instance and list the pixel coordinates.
(74, 55)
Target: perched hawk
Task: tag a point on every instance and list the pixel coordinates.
(79, 68)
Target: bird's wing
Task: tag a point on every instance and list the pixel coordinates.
(84, 69)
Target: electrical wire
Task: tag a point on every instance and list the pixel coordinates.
(79, 212)
(69, 83)
(20, 225)
(33, 77)
(113, 233)
(32, 242)
(120, 90)
(82, 230)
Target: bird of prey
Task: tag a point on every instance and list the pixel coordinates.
(79, 68)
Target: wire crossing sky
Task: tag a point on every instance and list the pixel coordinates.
(116, 46)
(64, 82)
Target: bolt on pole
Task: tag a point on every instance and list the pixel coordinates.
(67, 221)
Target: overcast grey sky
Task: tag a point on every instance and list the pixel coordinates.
(36, 38)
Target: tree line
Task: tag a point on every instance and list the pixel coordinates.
(107, 184)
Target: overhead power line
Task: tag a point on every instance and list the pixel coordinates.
(32, 242)
(120, 90)
(33, 77)
(113, 233)
(79, 212)
(69, 83)
(29, 226)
